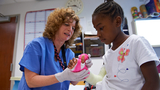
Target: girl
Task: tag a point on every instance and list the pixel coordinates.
(130, 64)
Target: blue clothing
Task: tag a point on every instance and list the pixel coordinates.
(39, 58)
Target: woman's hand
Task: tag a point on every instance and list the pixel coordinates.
(67, 74)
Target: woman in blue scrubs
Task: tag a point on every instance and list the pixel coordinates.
(43, 65)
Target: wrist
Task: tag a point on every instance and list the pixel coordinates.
(93, 79)
(74, 82)
(59, 77)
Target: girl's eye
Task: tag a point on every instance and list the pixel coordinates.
(101, 28)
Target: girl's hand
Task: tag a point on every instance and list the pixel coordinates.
(72, 63)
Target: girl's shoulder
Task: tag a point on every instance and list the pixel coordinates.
(136, 38)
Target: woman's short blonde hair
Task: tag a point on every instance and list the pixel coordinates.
(59, 17)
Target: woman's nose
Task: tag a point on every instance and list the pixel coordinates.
(70, 28)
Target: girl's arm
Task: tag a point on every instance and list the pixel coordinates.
(150, 73)
(93, 78)
(34, 80)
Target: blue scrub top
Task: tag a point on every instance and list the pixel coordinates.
(39, 58)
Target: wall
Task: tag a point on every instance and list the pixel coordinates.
(157, 50)
(22, 8)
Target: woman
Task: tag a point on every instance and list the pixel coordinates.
(45, 58)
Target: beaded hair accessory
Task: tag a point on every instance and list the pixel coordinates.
(58, 58)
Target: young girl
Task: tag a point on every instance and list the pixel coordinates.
(130, 64)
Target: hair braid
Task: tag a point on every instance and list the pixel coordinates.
(110, 8)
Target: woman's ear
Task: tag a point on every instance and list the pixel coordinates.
(118, 21)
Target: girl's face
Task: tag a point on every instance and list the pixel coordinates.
(107, 29)
(66, 31)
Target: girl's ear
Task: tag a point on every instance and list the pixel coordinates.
(118, 21)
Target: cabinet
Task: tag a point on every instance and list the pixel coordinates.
(89, 44)
(77, 46)
(93, 46)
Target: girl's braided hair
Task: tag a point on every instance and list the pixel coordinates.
(110, 8)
